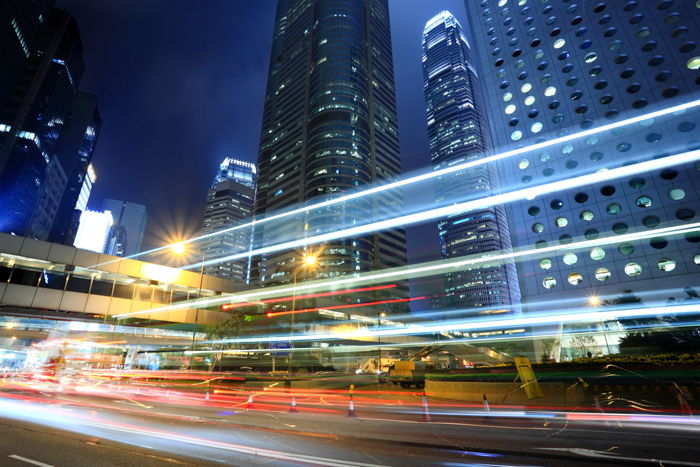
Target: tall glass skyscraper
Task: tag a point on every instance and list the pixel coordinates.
(459, 132)
(329, 126)
(554, 68)
(230, 202)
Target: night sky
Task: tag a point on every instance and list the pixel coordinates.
(181, 87)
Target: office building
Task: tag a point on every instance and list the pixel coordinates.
(230, 203)
(32, 119)
(329, 126)
(74, 150)
(126, 234)
(458, 132)
(94, 230)
(554, 68)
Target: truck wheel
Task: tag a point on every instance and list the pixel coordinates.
(420, 385)
(405, 385)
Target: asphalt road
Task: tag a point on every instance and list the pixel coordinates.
(86, 430)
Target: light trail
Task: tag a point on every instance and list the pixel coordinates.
(433, 174)
(421, 270)
(476, 325)
(272, 314)
(473, 205)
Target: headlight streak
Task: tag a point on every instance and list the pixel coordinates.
(489, 201)
(433, 174)
(415, 271)
(473, 325)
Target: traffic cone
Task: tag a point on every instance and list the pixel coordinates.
(351, 408)
(249, 405)
(426, 411)
(293, 408)
(206, 396)
(486, 404)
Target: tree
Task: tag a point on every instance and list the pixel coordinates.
(584, 343)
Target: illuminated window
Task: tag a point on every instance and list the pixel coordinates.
(502, 2)
(536, 127)
(613, 209)
(549, 282)
(633, 269)
(694, 63)
(676, 194)
(643, 202)
(590, 57)
(561, 222)
(567, 149)
(696, 259)
(597, 254)
(509, 109)
(626, 248)
(523, 164)
(602, 274)
(527, 87)
(537, 227)
(570, 259)
(559, 43)
(516, 135)
(574, 278)
(507, 96)
(666, 264)
(550, 91)
(529, 100)
(546, 263)
(545, 156)
(586, 216)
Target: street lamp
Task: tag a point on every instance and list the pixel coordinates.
(379, 341)
(179, 249)
(309, 261)
(595, 301)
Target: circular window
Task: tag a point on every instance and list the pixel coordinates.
(597, 254)
(613, 209)
(559, 43)
(666, 264)
(507, 96)
(591, 234)
(633, 269)
(643, 202)
(676, 194)
(694, 63)
(637, 183)
(536, 127)
(685, 214)
(565, 239)
(651, 222)
(571, 164)
(574, 278)
(626, 248)
(696, 259)
(529, 100)
(556, 204)
(658, 243)
(685, 127)
(620, 228)
(549, 282)
(527, 87)
(533, 210)
(509, 109)
(570, 259)
(545, 156)
(590, 57)
(548, 172)
(586, 216)
(516, 135)
(550, 91)
(692, 237)
(602, 274)
(581, 197)
(561, 222)
(607, 190)
(526, 179)
(541, 244)
(668, 174)
(545, 263)
(523, 164)
(596, 156)
(537, 227)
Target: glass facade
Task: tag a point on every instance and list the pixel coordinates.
(458, 132)
(329, 126)
(554, 68)
(230, 203)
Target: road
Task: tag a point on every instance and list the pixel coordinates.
(76, 429)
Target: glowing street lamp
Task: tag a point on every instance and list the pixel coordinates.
(309, 261)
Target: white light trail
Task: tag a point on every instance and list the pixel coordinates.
(438, 173)
(481, 203)
(413, 271)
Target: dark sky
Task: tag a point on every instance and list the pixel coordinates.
(181, 85)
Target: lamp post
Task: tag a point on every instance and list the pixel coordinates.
(379, 342)
(180, 249)
(310, 262)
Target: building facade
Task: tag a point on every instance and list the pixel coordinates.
(93, 230)
(554, 68)
(126, 234)
(458, 132)
(329, 126)
(230, 202)
(32, 120)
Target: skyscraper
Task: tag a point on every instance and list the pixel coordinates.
(93, 230)
(126, 234)
(552, 69)
(329, 125)
(458, 132)
(32, 118)
(230, 202)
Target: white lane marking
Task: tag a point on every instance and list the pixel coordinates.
(29, 461)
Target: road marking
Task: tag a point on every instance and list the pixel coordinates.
(29, 461)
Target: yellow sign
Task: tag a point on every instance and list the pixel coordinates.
(527, 377)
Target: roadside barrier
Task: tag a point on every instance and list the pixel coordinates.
(249, 405)
(293, 408)
(486, 404)
(426, 411)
